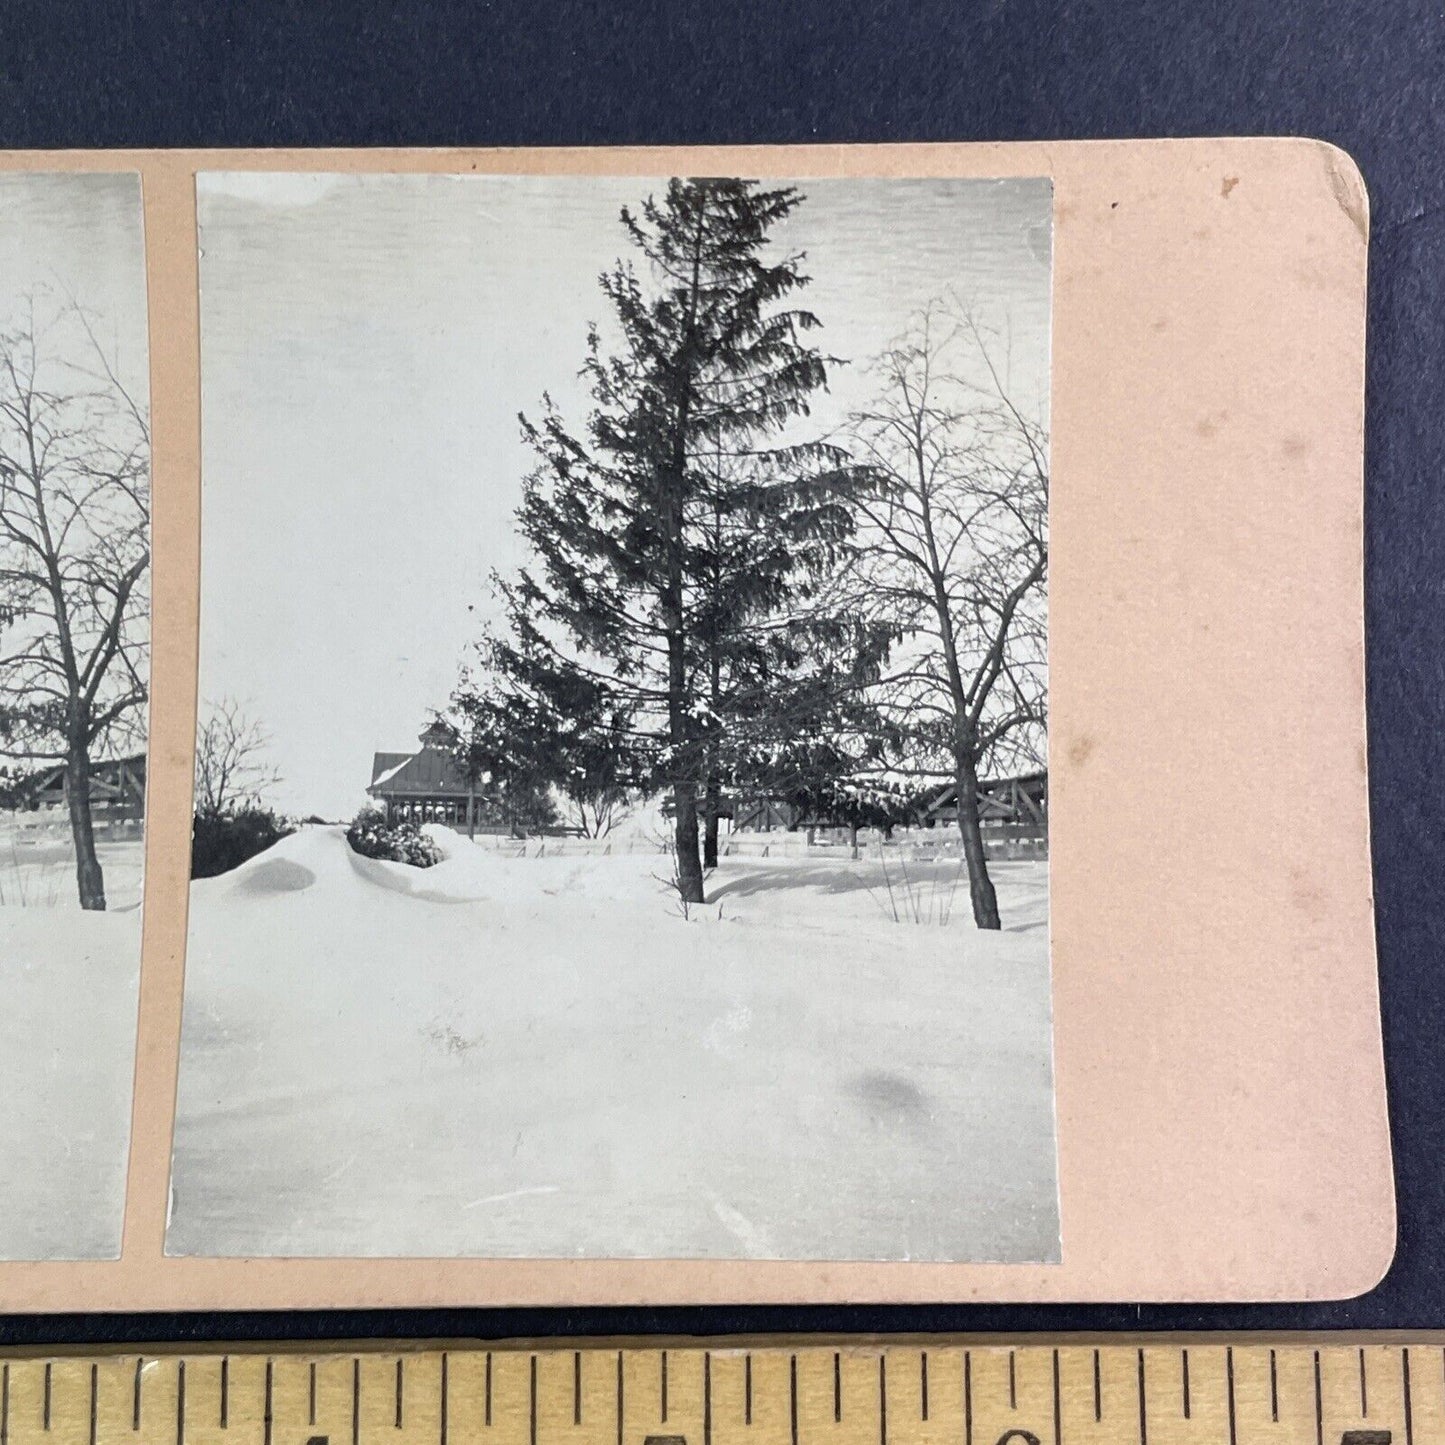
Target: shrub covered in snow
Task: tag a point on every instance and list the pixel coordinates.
(373, 837)
(222, 840)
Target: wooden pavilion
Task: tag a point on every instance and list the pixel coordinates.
(117, 796)
(1014, 808)
(428, 786)
(1011, 810)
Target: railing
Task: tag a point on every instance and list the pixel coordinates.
(772, 845)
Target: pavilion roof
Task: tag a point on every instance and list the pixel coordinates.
(427, 772)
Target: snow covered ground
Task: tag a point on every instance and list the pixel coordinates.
(539, 1056)
(68, 984)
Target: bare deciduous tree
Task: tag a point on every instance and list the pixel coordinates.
(953, 554)
(596, 816)
(74, 558)
(232, 769)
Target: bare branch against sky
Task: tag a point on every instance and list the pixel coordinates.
(78, 238)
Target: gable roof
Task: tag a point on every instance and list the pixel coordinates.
(386, 763)
(425, 773)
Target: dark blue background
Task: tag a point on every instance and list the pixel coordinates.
(1367, 76)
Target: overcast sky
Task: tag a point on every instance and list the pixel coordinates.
(75, 237)
(367, 343)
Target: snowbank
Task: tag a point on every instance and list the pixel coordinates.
(543, 1057)
(67, 1055)
(37, 869)
(68, 986)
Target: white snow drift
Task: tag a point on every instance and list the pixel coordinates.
(540, 1056)
(68, 984)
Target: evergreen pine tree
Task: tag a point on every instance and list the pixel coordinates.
(672, 538)
(506, 773)
(785, 659)
(548, 726)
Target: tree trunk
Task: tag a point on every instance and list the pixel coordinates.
(689, 865)
(686, 761)
(712, 802)
(471, 812)
(88, 876)
(853, 840)
(712, 798)
(980, 886)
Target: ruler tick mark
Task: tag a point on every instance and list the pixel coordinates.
(397, 1418)
(1184, 1358)
(225, 1389)
(1364, 1398)
(707, 1397)
(135, 1397)
(94, 1390)
(443, 1430)
(619, 1397)
(532, 1401)
(883, 1399)
(4, 1404)
(837, 1387)
(663, 1390)
(311, 1396)
(1098, 1391)
(181, 1403)
(1143, 1408)
(1058, 1405)
(355, 1401)
(1229, 1379)
(266, 1415)
(1409, 1410)
(1273, 1390)
(46, 1414)
(1319, 1404)
(747, 1389)
(576, 1387)
(923, 1383)
(1013, 1394)
(793, 1398)
(967, 1398)
(487, 1411)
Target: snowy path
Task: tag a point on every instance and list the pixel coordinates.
(538, 1057)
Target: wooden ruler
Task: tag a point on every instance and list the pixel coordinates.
(1150, 1392)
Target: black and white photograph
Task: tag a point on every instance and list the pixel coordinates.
(621, 789)
(74, 644)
